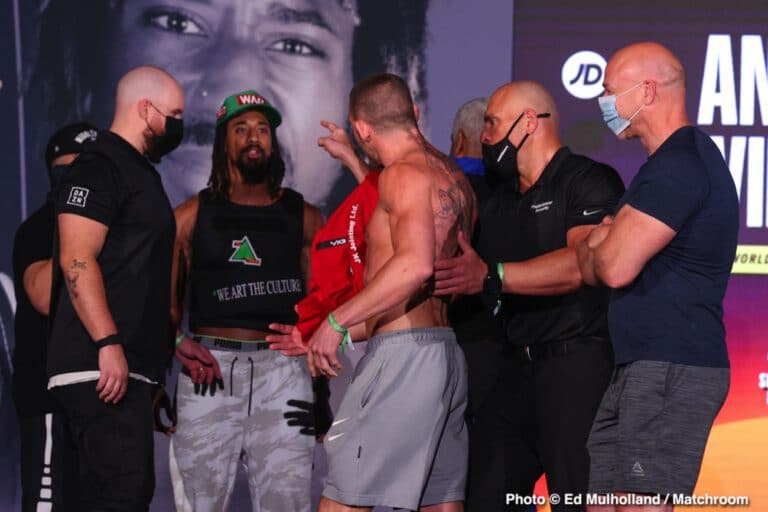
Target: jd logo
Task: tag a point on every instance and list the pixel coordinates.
(582, 74)
(244, 253)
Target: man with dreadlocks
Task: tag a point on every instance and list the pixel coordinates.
(242, 245)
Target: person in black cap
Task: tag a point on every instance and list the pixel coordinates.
(110, 337)
(242, 245)
(47, 458)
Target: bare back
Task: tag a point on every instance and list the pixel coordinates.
(424, 199)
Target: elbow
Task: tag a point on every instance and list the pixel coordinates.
(423, 272)
(42, 304)
(616, 277)
(573, 282)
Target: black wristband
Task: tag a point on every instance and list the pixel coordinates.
(112, 339)
(492, 287)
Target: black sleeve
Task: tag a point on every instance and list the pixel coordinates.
(593, 193)
(90, 189)
(33, 241)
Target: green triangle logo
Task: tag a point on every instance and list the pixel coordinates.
(244, 253)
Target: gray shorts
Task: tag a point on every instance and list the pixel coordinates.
(399, 438)
(650, 431)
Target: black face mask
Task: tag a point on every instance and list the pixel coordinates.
(55, 174)
(501, 158)
(161, 145)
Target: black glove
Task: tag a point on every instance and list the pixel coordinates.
(314, 418)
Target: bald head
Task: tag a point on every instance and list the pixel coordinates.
(147, 82)
(646, 61)
(382, 100)
(146, 97)
(521, 95)
(648, 82)
(525, 114)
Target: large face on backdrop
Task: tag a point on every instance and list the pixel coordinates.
(297, 53)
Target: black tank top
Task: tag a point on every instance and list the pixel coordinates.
(246, 269)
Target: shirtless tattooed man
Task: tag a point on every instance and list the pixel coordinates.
(399, 438)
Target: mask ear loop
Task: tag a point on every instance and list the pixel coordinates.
(641, 105)
(538, 116)
(146, 120)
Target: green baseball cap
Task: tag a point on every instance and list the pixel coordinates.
(247, 100)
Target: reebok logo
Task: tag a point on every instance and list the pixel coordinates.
(78, 196)
(244, 253)
(637, 469)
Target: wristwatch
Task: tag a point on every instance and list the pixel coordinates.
(491, 287)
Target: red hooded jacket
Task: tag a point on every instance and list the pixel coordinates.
(338, 256)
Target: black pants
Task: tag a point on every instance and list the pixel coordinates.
(537, 420)
(48, 463)
(484, 362)
(114, 446)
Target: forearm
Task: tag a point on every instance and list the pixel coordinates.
(395, 282)
(37, 284)
(85, 285)
(358, 332)
(358, 168)
(554, 273)
(178, 290)
(586, 259)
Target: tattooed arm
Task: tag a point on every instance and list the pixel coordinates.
(81, 240)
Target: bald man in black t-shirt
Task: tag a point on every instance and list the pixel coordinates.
(110, 336)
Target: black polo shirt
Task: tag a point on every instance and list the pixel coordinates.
(572, 190)
(115, 185)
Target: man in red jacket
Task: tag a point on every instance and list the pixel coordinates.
(338, 249)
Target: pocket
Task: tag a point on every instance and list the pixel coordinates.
(372, 384)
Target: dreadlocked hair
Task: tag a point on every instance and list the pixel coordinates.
(218, 183)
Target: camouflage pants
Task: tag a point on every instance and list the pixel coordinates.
(244, 421)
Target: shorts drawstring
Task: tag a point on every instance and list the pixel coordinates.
(250, 391)
(231, 369)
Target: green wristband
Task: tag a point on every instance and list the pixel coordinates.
(500, 272)
(346, 341)
(179, 339)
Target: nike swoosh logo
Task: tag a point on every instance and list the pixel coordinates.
(587, 213)
(339, 422)
(331, 438)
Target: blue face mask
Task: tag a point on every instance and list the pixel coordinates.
(611, 116)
